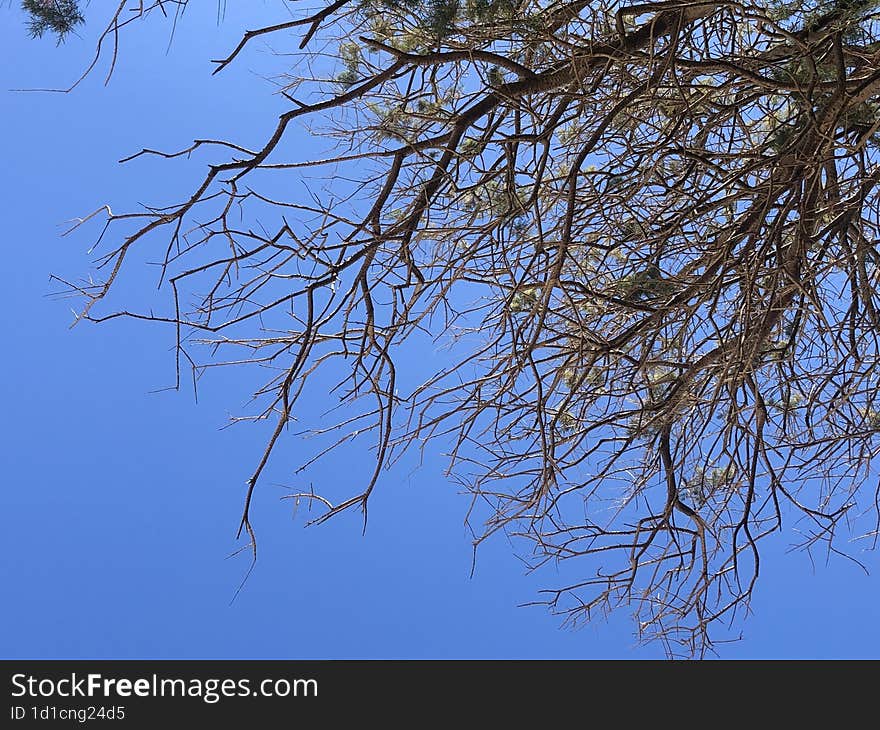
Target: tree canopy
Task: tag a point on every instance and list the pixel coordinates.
(645, 233)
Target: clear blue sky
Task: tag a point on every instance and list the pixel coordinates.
(121, 505)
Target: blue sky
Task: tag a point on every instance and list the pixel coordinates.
(121, 503)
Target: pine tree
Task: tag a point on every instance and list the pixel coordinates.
(58, 16)
(649, 233)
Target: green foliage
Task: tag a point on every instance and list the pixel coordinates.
(566, 423)
(576, 379)
(495, 200)
(495, 77)
(350, 55)
(785, 134)
(642, 427)
(435, 17)
(470, 147)
(788, 404)
(438, 17)
(633, 229)
(487, 11)
(645, 284)
(523, 300)
(704, 482)
(400, 121)
(57, 16)
(871, 418)
(812, 14)
(845, 16)
(392, 122)
(402, 6)
(776, 350)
